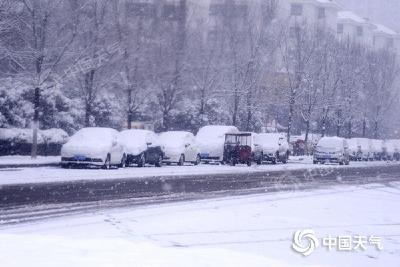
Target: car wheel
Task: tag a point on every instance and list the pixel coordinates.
(249, 163)
(181, 161)
(198, 160)
(142, 161)
(123, 162)
(107, 163)
(259, 160)
(285, 159)
(232, 162)
(159, 161)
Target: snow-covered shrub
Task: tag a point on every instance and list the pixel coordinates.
(15, 141)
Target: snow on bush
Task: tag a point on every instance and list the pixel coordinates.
(16, 135)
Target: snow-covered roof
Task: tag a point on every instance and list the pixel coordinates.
(348, 15)
(383, 29)
(328, 3)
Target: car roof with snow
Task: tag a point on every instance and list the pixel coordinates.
(331, 141)
(212, 131)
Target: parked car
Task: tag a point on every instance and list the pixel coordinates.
(393, 149)
(377, 149)
(332, 150)
(141, 148)
(272, 147)
(210, 140)
(179, 147)
(94, 147)
(354, 150)
(365, 145)
(238, 148)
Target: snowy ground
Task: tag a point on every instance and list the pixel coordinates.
(18, 160)
(55, 174)
(237, 231)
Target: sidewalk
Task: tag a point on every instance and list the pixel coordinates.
(26, 161)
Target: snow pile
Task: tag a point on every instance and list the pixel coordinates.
(42, 251)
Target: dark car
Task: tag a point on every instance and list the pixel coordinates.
(140, 148)
(238, 148)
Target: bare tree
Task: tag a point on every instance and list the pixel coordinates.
(46, 42)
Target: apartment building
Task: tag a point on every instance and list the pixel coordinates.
(385, 38)
(354, 28)
(314, 13)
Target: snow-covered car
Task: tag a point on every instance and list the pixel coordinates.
(141, 148)
(354, 150)
(210, 140)
(332, 150)
(377, 149)
(272, 147)
(365, 145)
(179, 147)
(393, 149)
(94, 147)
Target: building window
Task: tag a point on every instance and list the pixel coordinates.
(296, 10)
(294, 31)
(321, 13)
(170, 12)
(340, 28)
(360, 31)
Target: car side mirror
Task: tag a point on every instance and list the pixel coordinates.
(187, 145)
(149, 144)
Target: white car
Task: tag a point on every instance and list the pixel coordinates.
(354, 150)
(365, 145)
(94, 147)
(210, 140)
(272, 147)
(179, 147)
(332, 150)
(377, 149)
(393, 149)
(141, 148)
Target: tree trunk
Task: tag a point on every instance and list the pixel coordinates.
(89, 78)
(129, 117)
(35, 123)
(307, 134)
(291, 113)
(364, 130)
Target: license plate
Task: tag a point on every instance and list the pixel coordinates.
(204, 155)
(80, 158)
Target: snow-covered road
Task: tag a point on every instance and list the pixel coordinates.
(236, 231)
(55, 174)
